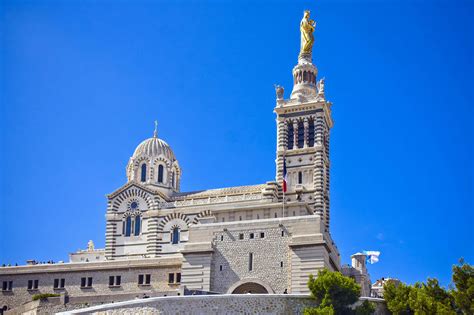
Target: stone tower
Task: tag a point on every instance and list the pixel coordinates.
(359, 272)
(303, 127)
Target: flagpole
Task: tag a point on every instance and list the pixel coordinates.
(283, 212)
(283, 209)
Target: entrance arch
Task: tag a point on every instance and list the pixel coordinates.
(253, 286)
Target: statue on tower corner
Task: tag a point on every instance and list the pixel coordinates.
(90, 246)
(321, 87)
(307, 27)
(279, 91)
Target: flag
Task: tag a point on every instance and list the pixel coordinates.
(372, 256)
(284, 174)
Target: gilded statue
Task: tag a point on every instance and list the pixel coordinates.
(307, 27)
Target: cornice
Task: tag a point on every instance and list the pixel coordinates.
(294, 106)
(93, 266)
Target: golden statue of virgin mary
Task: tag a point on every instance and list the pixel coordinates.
(307, 27)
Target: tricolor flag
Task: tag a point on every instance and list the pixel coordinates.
(284, 174)
(372, 256)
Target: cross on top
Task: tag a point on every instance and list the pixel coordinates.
(155, 133)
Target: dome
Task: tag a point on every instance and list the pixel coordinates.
(154, 164)
(154, 147)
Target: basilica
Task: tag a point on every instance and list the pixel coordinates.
(159, 240)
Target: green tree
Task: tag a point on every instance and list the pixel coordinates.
(422, 300)
(463, 294)
(335, 294)
(434, 290)
(397, 298)
(333, 289)
(366, 308)
(431, 298)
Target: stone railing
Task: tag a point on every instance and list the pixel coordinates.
(209, 200)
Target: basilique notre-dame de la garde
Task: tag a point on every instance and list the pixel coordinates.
(248, 239)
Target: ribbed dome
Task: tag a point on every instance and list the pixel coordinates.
(154, 147)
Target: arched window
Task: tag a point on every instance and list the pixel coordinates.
(160, 173)
(175, 235)
(311, 133)
(128, 226)
(138, 223)
(143, 173)
(291, 135)
(300, 178)
(172, 179)
(300, 134)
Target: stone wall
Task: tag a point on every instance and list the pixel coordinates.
(214, 304)
(217, 258)
(100, 273)
(269, 249)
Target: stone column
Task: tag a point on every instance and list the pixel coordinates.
(282, 132)
(152, 247)
(282, 143)
(110, 232)
(327, 177)
(318, 175)
(321, 169)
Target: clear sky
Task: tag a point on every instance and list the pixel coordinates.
(82, 82)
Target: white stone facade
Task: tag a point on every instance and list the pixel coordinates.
(232, 240)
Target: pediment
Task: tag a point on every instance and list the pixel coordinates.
(133, 186)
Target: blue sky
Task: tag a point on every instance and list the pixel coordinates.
(82, 82)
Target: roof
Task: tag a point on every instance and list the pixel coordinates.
(154, 147)
(238, 190)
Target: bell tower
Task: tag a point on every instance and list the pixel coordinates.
(303, 127)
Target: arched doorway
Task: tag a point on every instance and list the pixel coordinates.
(250, 287)
(253, 286)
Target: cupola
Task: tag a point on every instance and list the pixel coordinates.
(154, 164)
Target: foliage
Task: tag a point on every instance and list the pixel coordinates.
(431, 298)
(335, 294)
(463, 279)
(422, 300)
(333, 289)
(44, 296)
(327, 310)
(366, 308)
(397, 297)
(434, 290)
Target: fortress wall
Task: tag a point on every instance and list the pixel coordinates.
(215, 304)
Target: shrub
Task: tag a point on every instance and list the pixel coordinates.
(44, 296)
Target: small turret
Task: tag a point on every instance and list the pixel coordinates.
(359, 262)
(358, 272)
